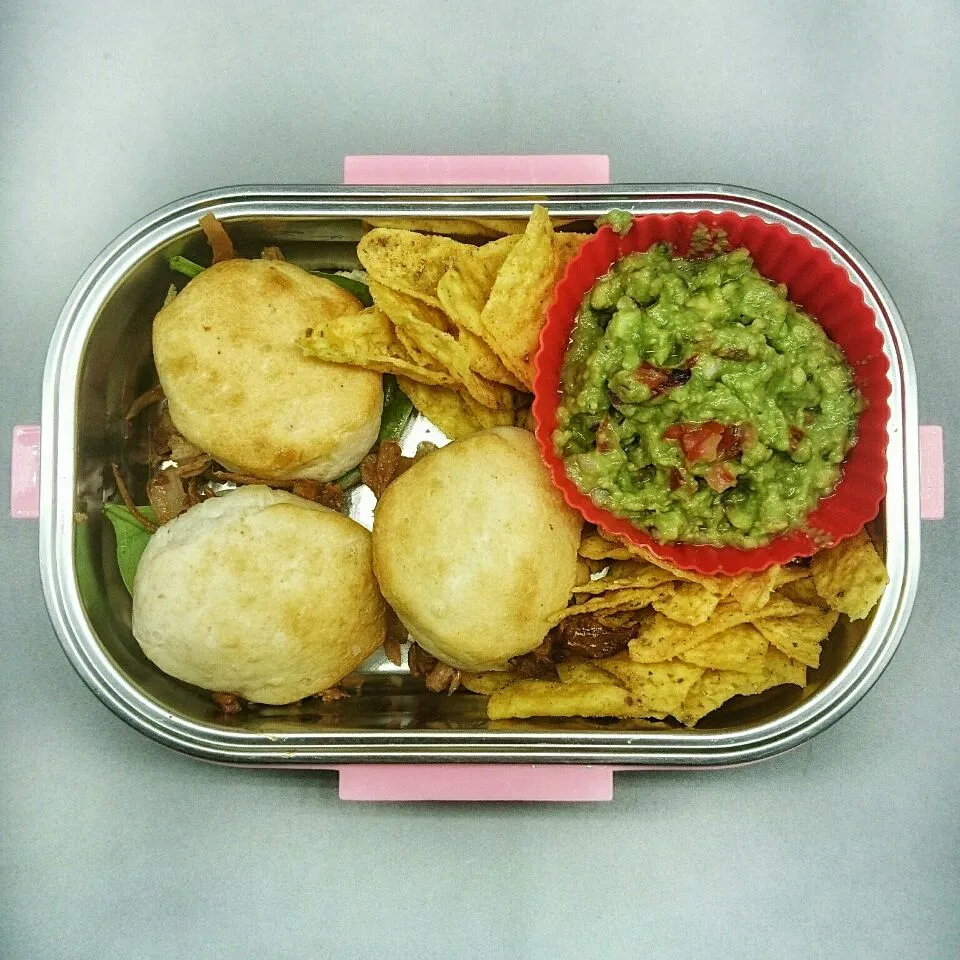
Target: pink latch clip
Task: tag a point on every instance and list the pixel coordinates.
(25, 472)
(489, 170)
(931, 472)
(471, 781)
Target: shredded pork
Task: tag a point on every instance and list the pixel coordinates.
(128, 500)
(167, 495)
(379, 468)
(227, 702)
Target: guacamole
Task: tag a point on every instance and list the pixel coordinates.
(700, 404)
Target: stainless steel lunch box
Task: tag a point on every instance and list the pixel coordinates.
(100, 359)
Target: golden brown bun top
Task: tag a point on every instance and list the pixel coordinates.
(258, 593)
(474, 548)
(240, 388)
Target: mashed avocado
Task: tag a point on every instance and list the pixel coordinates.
(700, 404)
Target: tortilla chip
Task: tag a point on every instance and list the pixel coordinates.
(413, 349)
(546, 698)
(779, 669)
(411, 263)
(484, 362)
(583, 573)
(664, 639)
(566, 246)
(711, 691)
(628, 569)
(778, 606)
(514, 312)
(502, 225)
(474, 227)
(721, 586)
(687, 603)
(456, 414)
(445, 226)
(716, 687)
(799, 637)
(753, 592)
(368, 340)
(775, 670)
(488, 683)
(629, 599)
(851, 576)
(791, 573)
(431, 330)
(805, 592)
(462, 293)
(741, 647)
(575, 670)
(660, 688)
(628, 573)
(661, 639)
(595, 547)
(492, 254)
(644, 570)
(398, 306)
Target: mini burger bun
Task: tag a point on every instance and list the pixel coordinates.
(474, 549)
(238, 386)
(258, 593)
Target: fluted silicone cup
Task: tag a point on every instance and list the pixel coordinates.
(816, 284)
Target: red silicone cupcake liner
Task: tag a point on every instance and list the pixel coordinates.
(814, 282)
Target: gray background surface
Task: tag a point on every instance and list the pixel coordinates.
(112, 846)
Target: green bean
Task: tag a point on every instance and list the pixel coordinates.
(397, 410)
(389, 390)
(187, 267)
(357, 287)
(350, 479)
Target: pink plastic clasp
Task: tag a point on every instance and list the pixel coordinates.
(506, 169)
(468, 781)
(931, 472)
(25, 473)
